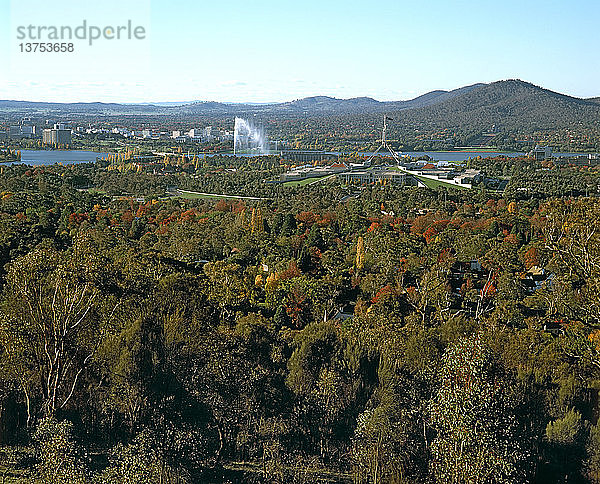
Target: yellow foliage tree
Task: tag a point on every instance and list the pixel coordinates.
(271, 281)
(360, 253)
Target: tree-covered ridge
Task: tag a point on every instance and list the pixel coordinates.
(512, 104)
(400, 335)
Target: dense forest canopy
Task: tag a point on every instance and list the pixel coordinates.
(381, 334)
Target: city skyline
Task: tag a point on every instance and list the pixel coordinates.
(269, 52)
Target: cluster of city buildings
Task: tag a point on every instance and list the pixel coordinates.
(25, 129)
(204, 135)
(59, 134)
(589, 160)
(544, 153)
(53, 134)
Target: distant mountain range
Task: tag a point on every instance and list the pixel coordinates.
(310, 105)
(77, 108)
(511, 103)
(324, 104)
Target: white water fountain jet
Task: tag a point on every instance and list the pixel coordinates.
(248, 137)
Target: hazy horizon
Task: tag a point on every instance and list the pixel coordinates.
(172, 103)
(268, 52)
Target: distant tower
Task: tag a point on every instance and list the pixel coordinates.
(384, 143)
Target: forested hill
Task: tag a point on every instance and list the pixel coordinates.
(330, 105)
(512, 104)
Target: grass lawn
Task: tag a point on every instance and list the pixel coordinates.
(196, 196)
(306, 181)
(429, 183)
(215, 196)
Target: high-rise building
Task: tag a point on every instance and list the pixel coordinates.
(195, 133)
(27, 131)
(58, 135)
(208, 134)
(24, 130)
(47, 136)
(541, 153)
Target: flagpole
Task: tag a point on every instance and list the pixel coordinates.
(384, 143)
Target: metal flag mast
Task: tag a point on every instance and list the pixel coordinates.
(384, 143)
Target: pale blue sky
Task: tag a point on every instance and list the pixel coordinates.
(266, 50)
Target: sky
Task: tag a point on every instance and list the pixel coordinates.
(272, 51)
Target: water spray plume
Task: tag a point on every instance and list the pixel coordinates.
(247, 136)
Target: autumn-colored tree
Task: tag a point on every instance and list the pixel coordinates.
(360, 253)
(256, 222)
(531, 257)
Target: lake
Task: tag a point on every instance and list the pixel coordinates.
(434, 155)
(50, 157)
(460, 155)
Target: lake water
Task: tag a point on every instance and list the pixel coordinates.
(465, 155)
(50, 157)
(460, 155)
(435, 155)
